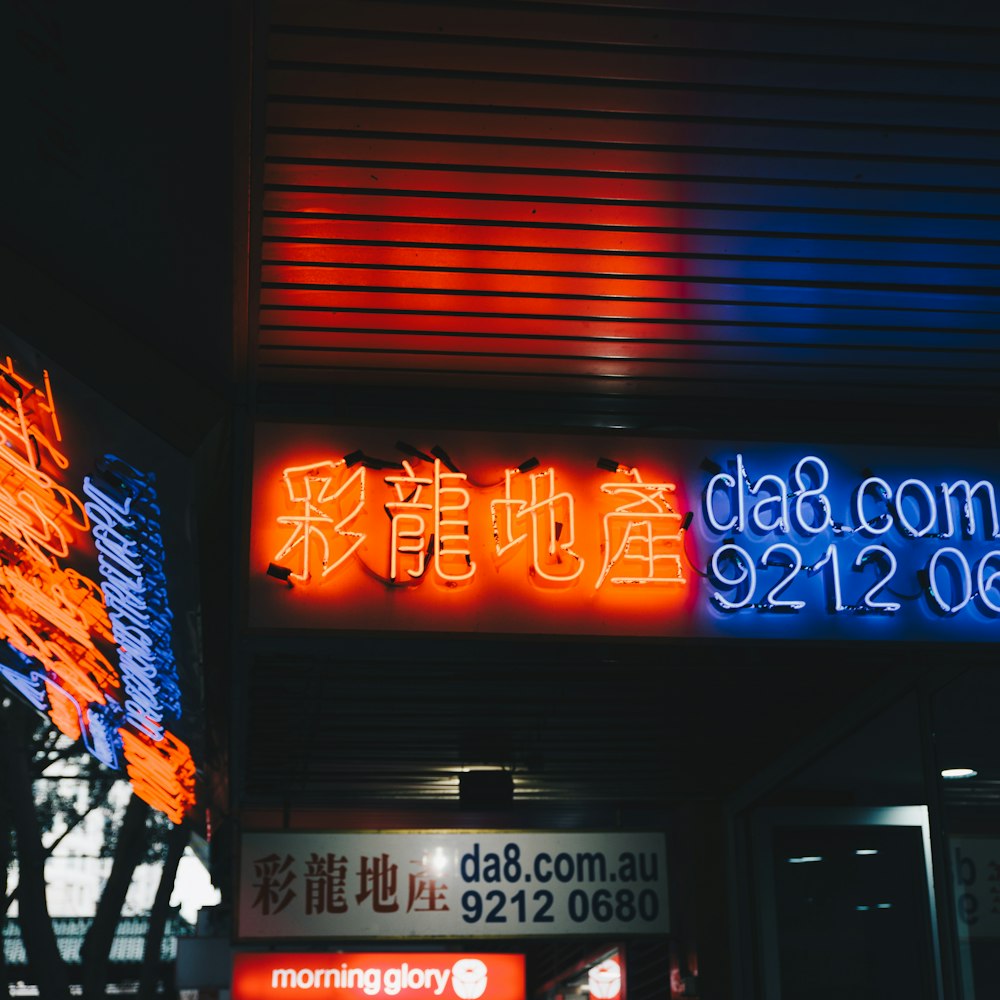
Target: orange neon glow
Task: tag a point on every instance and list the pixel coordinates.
(475, 536)
(55, 615)
(64, 711)
(35, 512)
(162, 772)
(635, 525)
(310, 488)
(551, 526)
(447, 507)
(24, 411)
(61, 597)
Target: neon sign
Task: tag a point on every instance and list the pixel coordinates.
(97, 661)
(121, 505)
(475, 544)
(884, 522)
(683, 539)
(429, 518)
(355, 976)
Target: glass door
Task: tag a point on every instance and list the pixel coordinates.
(845, 903)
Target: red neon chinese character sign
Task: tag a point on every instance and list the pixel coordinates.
(482, 544)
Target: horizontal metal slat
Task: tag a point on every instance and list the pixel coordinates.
(692, 160)
(465, 370)
(610, 266)
(581, 311)
(696, 318)
(472, 91)
(516, 59)
(821, 348)
(762, 26)
(925, 15)
(722, 382)
(781, 192)
(383, 209)
(802, 136)
(429, 240)
(481, 303)
(656, 283)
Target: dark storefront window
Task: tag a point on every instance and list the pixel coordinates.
(964, 715)
(845, 904)
(843, 869)
(870, 865)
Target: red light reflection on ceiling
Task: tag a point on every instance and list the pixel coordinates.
(466, 268)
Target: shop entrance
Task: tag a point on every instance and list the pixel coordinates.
(845, 904)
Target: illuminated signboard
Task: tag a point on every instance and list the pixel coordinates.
(86, 625)
(457, 532)
(976, 885)
(440, 884)
(360, 976)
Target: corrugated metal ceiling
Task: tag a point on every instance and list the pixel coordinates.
(627, 199)
(613, 725)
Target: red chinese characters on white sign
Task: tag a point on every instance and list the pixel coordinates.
(441, 884)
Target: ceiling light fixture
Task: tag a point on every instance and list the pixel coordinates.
(957, 773)
(485, 789)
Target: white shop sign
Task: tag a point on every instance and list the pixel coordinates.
(440, 884)
(975, 865)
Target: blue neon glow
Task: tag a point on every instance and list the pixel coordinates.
(101, 736)
(122, 506)
(30, 684)
(809, 499)
(818, 539)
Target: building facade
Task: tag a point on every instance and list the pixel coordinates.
(591, 412)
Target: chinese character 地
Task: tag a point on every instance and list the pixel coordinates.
(549, 518)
